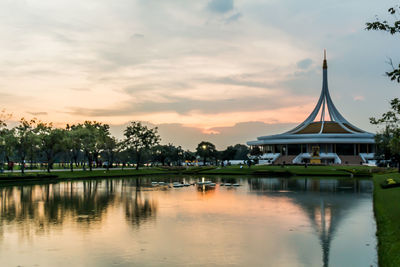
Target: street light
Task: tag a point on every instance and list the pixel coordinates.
(204, 148)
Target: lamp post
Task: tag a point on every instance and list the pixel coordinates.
(204, 147)
(180, 155)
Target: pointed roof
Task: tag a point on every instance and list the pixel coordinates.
(325, 106)
(325, 122)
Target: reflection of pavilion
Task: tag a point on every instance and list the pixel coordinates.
(319, 200)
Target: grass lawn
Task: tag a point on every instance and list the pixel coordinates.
(230, 170)
(293, 170)
(387, 214)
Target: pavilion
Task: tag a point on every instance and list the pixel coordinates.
(324, 137)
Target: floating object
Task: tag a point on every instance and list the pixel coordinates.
(236, 184)
(228, 184)
(186, 184)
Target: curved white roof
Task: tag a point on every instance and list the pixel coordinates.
(335, 130)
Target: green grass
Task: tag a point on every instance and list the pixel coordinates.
(387, 214)
(294, 170)
(337, 171)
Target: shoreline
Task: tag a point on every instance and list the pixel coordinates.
(280, 171)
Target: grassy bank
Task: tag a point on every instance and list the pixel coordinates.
(387, 214)
(345, 171)
(294, 170)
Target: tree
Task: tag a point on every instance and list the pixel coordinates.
(189, 156)
(161, 153)
(50, 142)
(241, 152)
(110, 148)
(4, 137)
(92, 136)
(25, 138)
(392, 27)
(256, 151)
(9, 142)
(139, 138)
(388, 140)
(229, 153)
(206, 150)
(72, 144)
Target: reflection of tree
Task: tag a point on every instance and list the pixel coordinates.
(320, 201)
(137, 209)
(40, 208)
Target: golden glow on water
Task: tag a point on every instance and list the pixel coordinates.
(274, 222)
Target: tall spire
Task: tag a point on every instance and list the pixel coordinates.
(325, 106)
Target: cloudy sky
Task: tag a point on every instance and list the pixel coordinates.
(226, 71)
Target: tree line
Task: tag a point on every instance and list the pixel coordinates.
(90, 144)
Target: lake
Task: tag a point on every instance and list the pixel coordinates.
(130, 222)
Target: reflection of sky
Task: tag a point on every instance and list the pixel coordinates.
(208, 71)
(92, 225)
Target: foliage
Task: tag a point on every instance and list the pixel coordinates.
(388, 140)
(110, 148)
(392, 27)
(50, 142)
(139, 138)
(25, 138)
(92, 136)
(256, 151)
(206, 150)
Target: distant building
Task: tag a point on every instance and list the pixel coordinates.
(318, 139)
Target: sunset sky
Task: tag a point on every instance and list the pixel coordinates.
(225, 71)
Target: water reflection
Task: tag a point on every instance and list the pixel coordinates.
(86, 202)
(325, 210)
(248, 224)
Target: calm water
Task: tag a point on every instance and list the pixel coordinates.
(124, 222)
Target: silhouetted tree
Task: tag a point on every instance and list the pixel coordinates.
(139, 138)
(206, 150)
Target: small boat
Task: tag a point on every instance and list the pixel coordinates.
(161, 183)
(228, 184)
(154, 183)
(186, 184)
(176, 185)
(236, 184)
